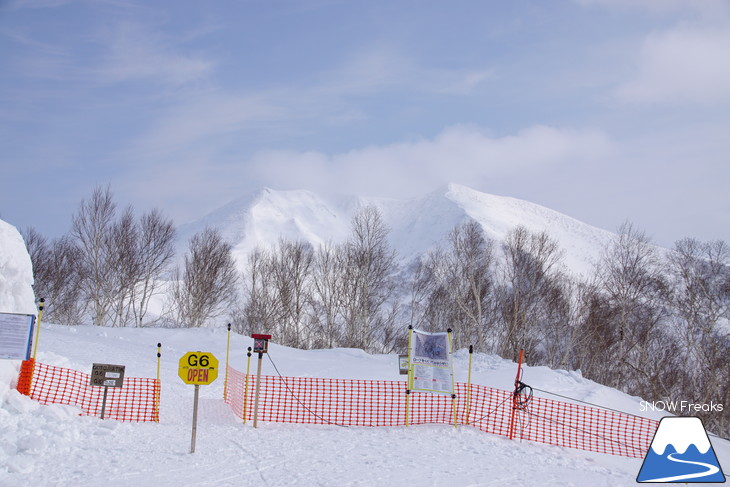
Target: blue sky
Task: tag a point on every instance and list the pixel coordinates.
(605, 110)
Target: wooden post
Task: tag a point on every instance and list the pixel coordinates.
(514, 396)
(258, 388)
(103, 402)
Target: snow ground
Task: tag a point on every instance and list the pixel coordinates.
(53, 446)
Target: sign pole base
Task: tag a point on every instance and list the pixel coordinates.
(195, 418)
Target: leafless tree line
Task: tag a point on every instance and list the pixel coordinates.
(650, 322)
(107, 268)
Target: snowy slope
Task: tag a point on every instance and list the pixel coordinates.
(417, 225)
(52, 446)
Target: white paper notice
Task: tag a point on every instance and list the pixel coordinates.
(16, 331)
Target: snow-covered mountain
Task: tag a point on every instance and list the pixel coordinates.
(417, 225)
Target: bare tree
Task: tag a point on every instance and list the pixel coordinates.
(368, 280)
(207, 285)
(633, 287)
(91, 228)
(464, 273)
(260, 311)
(291, 266)
(533, 301)
(156, 238)
(327, 301)
(701, 299)
(125, 266)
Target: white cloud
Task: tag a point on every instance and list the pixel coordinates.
(682, 65)
(459, 154)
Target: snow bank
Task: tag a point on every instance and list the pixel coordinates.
(16, 294)
(16, 273)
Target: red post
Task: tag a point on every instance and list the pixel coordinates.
(514, 397)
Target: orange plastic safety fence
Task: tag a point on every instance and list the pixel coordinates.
(137, 400)
(347, 402)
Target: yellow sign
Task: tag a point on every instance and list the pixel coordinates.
(198, 368)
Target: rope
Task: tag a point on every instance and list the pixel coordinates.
(490, 412)
(299, 401)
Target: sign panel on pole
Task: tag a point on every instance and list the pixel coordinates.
(198, 368)
(107, 375)
(16, 332)
(431, 361)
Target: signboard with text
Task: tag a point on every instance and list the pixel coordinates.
(107, 375)
(198, 368)
(16, 332)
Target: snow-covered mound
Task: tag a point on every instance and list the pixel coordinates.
(16, 273)
(417, 225)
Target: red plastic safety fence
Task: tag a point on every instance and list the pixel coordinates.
(347, 402)
(138, 400)
(562, 423)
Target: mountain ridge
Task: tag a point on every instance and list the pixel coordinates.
(417, 224)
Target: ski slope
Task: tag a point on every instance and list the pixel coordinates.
(54, 446)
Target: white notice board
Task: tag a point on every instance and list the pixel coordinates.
(16, 333)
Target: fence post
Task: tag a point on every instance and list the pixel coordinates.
(410, 375)
(453, 385)
(514, 396)
(245, 389)
(468, 384)
(159, 384)
(228, 352)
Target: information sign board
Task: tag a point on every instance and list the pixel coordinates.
(107, 375)
(16, 335)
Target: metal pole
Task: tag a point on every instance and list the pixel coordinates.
(195, 418)
(258, 388)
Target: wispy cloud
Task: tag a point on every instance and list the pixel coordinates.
(682, 65)
(134, 53)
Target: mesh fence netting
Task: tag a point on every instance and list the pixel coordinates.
(138, 399)
(347, 402)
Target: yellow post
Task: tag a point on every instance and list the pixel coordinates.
(453, 396)
(228, 352)
(159, 382)
(245, 389)
(468, 384)
(38, 326)
(410, 375)
(41, 304)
